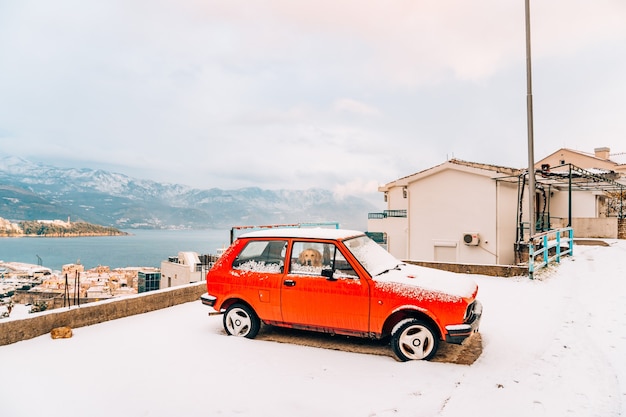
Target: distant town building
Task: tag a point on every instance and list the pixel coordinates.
(57, 222)
(37, 285)
(8, 227)
(185, 268)
(148, 279)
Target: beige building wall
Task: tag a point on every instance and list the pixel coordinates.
(559, 201)
(506, 222)
(584, 204)
(398, 237)
(600, 159)
(395, 228)
(606, 227)
(397, 231)
(399, 198)
(446, 205)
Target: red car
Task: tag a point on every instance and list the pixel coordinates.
(341, 282)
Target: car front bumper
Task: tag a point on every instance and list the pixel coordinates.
(457, 333)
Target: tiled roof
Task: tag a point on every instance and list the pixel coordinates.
(489, 167)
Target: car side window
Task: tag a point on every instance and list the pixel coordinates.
(310, 258)
(342, 267)
(262, 256)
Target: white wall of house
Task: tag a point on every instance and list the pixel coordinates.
(506, 222)
(584, 204)
(398, 237)
(397, 232)
(559, 201)
(396, 228)
(446, 205)
(397, 195)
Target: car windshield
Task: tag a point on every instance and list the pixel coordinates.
(371, 255)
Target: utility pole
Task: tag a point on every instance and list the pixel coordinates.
(529, 116)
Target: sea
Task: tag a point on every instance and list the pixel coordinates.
(141, 248)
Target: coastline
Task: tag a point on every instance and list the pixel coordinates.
(139, 247)
(120, 233)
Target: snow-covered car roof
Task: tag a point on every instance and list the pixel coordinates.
(309, 233)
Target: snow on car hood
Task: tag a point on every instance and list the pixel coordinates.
(450, 283)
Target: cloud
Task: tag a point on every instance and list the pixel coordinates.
(285, 94)
(356, 186)
(354, 106)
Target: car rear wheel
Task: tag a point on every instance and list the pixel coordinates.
(412, 339)
(241, 320)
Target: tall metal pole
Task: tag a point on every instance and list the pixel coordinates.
(569, 197)
(529, 116)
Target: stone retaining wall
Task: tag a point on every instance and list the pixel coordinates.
(621, 228)
(505, 271)
(12, 331)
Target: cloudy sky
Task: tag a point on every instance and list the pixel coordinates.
(343, 94)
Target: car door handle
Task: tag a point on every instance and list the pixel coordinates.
(289, 283)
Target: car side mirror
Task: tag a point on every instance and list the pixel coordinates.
(329, 274)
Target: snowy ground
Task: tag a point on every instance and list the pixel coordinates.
(555, 346)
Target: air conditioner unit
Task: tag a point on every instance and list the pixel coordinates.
(471, 239)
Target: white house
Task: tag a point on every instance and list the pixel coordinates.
(466, 212)
(454, 212)
(184, 269)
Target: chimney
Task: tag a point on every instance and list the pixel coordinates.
(602, 153)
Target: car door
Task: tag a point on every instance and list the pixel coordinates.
(257, 274)
(329, 301)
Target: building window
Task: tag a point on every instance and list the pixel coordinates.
(405, 192)
(147, 281)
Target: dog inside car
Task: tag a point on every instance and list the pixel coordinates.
(310, 257)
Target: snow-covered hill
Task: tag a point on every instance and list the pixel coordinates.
(30, 191)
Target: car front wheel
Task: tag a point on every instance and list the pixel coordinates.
(412, 339)
(241, 320)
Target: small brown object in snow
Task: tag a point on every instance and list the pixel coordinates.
(61, 333)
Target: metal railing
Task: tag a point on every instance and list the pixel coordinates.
(542, 224)
(541, 244)
(387, 213)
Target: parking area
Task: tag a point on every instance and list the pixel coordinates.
(465, 354)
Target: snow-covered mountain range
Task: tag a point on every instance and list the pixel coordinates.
(34, 191)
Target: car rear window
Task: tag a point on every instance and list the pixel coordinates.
(262, 256)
